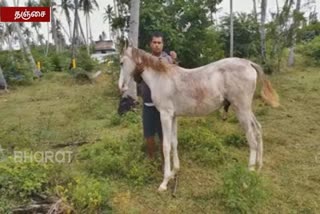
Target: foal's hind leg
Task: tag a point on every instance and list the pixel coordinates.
(247, 123)
(226, 105)
(258, 133)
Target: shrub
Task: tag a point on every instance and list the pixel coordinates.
(21, 179)
(312, 49)
(15, 68)
(60, 62)
(85, 62)
(243, 191)
(204, 147)
(86, 194)
(118, 160)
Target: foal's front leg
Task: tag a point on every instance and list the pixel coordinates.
(174, 136)
(166, 121)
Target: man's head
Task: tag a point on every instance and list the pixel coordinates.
(156, 43)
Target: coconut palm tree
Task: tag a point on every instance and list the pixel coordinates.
(88, 6)
(66, 6)
(53, 9)
(263, 30)
(28, 35)
(3, 82)
(231, 28)
(61, 27)
(75, 34)
(107, 16)
(294, 35)
(25, 46)
(37, 26)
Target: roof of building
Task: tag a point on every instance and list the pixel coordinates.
(104, 45)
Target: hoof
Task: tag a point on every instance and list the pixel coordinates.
(251, 168)
(259, 168)
(162, 189)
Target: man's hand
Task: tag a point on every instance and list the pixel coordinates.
(173, 55)
(139, 67)
(137, 73)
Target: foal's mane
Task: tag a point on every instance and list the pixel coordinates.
(144, 59)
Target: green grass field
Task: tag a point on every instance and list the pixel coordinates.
(109, 173)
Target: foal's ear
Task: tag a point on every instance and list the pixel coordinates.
(124, 45)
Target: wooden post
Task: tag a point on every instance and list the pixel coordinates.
(39, 66)
(74, 64)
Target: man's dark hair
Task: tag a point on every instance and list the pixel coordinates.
(157, 34)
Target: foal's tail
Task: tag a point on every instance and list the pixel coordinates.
(268, 94)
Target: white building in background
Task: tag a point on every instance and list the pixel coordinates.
(103, 48)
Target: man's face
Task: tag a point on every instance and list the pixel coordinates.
(156, 45)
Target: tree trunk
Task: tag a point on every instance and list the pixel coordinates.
(277, 3)
(48, 39)
(81, 29)
(134, 22)
(90, 30)
(294, 35)
(38, 36)
(134, 38)
(66, 32)
(36, 72)
(263, 31)
(3, 82)
(87, 34)
(116, 11)
(54, 30)
(24, 45)
(9, 41)
(231, 28)
(255, 13)
(75, 29)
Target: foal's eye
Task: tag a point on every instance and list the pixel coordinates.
(121, 63)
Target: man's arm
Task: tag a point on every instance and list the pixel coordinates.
(173, 56)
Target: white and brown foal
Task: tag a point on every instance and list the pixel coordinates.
(177, 91)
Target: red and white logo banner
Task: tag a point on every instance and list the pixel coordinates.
(24, 14)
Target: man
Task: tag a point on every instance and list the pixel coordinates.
(151, 116)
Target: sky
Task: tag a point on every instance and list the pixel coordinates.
(97, 16)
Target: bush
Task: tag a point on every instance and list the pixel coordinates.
(204, 147)
(312, 50)
(16, 69)
(85, 62)
(86, 194)
(5, 205)
(118, 160)
(60, 62)
(243, 191)
(21, 179)
(45, 62)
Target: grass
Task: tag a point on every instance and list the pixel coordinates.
(111, 174)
